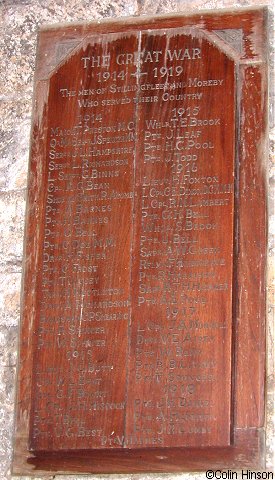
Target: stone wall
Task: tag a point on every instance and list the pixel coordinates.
(20, 21)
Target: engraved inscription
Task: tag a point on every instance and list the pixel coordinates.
(182, 274)
(84, 304)
(134, 311)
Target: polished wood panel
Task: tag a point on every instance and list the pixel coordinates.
(83, 308)
(180, 342)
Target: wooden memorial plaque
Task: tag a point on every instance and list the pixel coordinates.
(142, 335)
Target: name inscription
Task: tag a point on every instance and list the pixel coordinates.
(134, 311)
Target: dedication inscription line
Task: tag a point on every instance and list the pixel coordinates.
(134, 304)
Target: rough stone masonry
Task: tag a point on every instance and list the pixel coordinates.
(20, 20)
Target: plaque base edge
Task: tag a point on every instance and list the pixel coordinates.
(247, 451)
